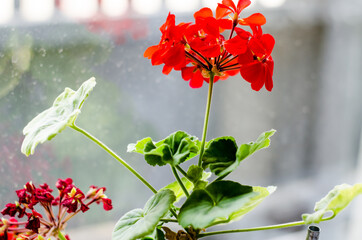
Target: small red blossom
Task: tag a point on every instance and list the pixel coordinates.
(107, 204)
(12, 209)
(73, 199)
(97, 194)
(70, 200)
(24, 197)
(33, 221)
(61, 184)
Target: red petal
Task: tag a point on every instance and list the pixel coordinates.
(166, 69)
(230, 73)
(175, 56)
(230, 4)
(203, 13)
(268, 42)
(107, 204)
(246, 58)
(269, 75)
(197, 80)
(222, 11)
(187, 73)
(210, 51)
(210, 25)
(255, 19)
(157, 57)
(255, 74)
(242, 33)
(236, 45)
(225, 23)
(257, 47)
(150, 51)
(170, 21)
(242, 4)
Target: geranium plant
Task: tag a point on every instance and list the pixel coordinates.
(215, 46)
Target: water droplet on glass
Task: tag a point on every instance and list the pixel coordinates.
(14, 59)
(42, 52)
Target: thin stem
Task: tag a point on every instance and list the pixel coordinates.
(196, 60)
(231, 65)
(199, 54)
(168, 220)
(114, 155)
(184, 189)
(229, 60)
(224, 58)
(277, 226)
(173, 212)
(229, 69)
(232, 30)
(48, 232)
(206, 119)
(45, 222)
(60, 236)
(182, 172)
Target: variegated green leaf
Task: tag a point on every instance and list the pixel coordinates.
(55, 119)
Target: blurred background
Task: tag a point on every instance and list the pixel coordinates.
(315, 106)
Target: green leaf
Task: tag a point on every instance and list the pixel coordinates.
(141, 223)
(335, 201)
(219, 155)
(177, 190)
(223, 164)
(173, 150)
(198, 176)
(194, 173)
(220, 202)
(157, 234)
(139, 146)
(179, 193)
(55, 119)
(263, 141)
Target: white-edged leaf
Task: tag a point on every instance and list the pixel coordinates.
(335, 201)
(55, 119)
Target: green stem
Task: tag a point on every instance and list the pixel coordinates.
(283, 225)
(113, 154)
(206, 119)
(168, 220)
(180, 181)
(61, 236)
(183, 172)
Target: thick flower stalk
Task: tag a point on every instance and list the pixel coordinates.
(70, 201)
(202, 53)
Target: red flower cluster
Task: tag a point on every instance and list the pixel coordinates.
(71, 200)
(200, 51)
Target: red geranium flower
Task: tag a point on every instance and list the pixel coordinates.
(201, 52)
(257, 65)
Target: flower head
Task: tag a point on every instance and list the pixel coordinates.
(70, 201)
(201, 52)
